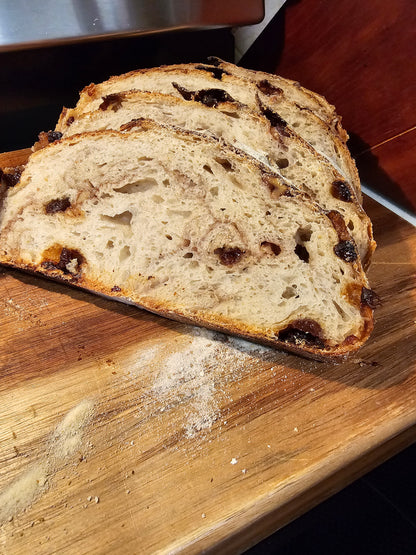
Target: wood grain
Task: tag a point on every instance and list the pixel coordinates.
(282, 433)
(394, 158)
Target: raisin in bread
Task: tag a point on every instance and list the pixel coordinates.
(304, 98)
(179, 224)
(183, 80)
(261, 136)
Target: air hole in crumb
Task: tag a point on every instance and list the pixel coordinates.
(188, 255)
(214, 191)
(124, 253)
(207, 168)
(275, 249)
(166, 182)
(302, 252)
(109, 244)
(122, 219)
(234, 115)
(303, 234)
(169, 237)
(282, 163)
(350, 225)
(186, 242)
(141, 185)
(226, 164)
(289, 292)
(340, 311)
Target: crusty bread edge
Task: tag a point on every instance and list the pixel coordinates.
(338, 354)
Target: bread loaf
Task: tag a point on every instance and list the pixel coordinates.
(185, 226)
(183, 80)
(260, 135)
(304, 98)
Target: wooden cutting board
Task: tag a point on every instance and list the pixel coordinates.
(122, 432)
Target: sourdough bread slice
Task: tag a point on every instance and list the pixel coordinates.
(183, 80)
(304, 98)
(179, 224)
(261, 136)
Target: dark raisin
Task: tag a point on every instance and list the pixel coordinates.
(70, 120)
(54, 136)
(212, 97)
(272, 246)
(346, 251)
(302, 252)
(116, 289)
(57, 205)
(297, 336)
(308, 325)
(214, 61)
(275, 120)
(216, 72)
(339, 225)
(370, 298)
(113, 101)
(341, 191)
(185, 93)
(229, 255)
(11, 178)
(288, 193)
(282, 163)
(66, 256)
(268, 89)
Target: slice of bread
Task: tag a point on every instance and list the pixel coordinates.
(183, 80)
(304, 98)
(261, 136)
(184, 226)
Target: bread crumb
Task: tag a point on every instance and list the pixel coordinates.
(234, 461)
(295, 429)
(96, 499)
(203, 515)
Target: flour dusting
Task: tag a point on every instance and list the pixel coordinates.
(194, 373)
(64, 442)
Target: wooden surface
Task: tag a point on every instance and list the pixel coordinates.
(214, 456)
(360, 55)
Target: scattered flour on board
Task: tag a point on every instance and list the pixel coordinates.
(65, 441)
(194, 374)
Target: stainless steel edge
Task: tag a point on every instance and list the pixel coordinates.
(36, 23)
